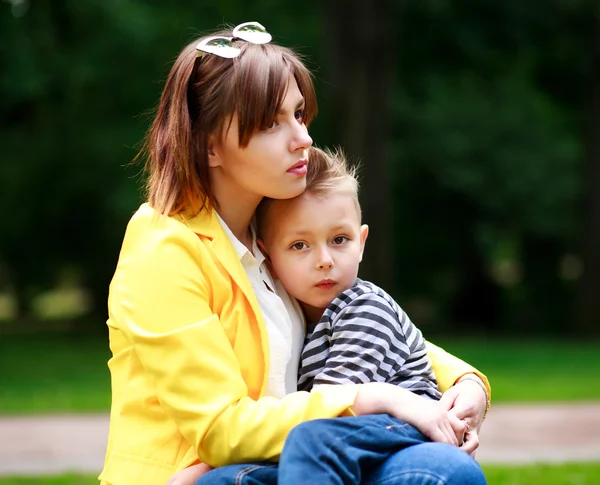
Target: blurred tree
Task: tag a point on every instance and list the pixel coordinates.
(488, 159)
(588, 304)
(361, 67)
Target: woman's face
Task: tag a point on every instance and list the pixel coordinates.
(274, 162)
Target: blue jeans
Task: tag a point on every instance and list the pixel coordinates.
(367, 450)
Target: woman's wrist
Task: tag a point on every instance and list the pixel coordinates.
(472, 377)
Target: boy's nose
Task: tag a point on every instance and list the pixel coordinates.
(325, 261)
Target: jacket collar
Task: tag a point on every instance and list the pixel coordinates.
(206, 223)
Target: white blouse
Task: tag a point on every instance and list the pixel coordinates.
(283, 317)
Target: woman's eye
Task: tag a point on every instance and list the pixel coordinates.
(339, 239)
(299, 114)
(272, 126)
(299, 246)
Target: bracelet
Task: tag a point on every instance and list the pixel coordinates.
(477, 379)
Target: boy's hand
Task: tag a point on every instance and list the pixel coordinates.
(189, 476)
(431, 418)
(435, 422)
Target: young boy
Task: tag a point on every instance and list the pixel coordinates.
(356, 333)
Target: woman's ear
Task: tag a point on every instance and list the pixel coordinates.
(263, 249)
(214, 160)
(364, 232)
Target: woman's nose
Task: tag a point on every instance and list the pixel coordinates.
(301, 140)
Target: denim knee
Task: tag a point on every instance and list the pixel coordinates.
(243, 474)
(428, 464)
(304, 431)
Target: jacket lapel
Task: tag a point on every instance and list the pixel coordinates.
(206, 224)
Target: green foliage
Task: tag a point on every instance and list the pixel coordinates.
(529, 181)
(485, 149)
(79, 79)
(488, 160)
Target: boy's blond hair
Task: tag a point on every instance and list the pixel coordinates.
(328, 172)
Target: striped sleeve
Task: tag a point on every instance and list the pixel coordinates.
(367, 343)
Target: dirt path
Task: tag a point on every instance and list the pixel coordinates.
(511, 434)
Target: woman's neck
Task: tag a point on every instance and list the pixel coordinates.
(238, 221)
(236, 208)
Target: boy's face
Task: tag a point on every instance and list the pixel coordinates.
(315, 244)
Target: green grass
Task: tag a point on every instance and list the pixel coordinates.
(54, 374)
(61, 374)
(531, 369)
(569, 474)
(56, 480)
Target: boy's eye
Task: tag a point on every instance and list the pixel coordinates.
(298, 246)
(339, 239)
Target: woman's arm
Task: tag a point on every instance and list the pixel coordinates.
(449, 369)
(161, 300)
(467, 392)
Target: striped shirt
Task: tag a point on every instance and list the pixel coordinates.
(364, 336)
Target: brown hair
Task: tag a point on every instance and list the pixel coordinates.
(328, 172)
(200, 95)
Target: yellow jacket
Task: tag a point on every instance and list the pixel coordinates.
(188, 368)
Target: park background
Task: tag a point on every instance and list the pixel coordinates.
(476, 125)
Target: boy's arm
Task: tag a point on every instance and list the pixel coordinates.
(367, 343)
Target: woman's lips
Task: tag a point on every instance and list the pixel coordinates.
(299, 168)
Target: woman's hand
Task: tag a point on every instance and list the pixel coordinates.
(189, 475)
(467, 401)
(429, 417)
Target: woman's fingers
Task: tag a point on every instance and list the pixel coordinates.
(459, 427)
(471, 442)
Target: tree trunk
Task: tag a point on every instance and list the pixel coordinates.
(588, 297)
(361, 65)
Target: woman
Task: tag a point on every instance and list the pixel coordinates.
(205, 344)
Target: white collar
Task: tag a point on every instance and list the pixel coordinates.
(240, 249)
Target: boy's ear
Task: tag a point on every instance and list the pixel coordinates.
(364, 232)
(263, 249)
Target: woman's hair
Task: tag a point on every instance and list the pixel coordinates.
(328, 172)
(200, 96)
